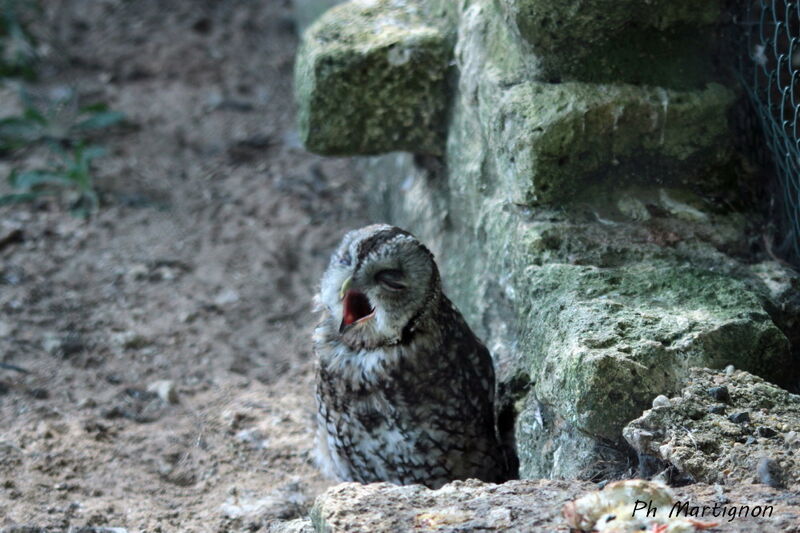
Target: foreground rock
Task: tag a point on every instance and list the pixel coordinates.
(514, 506)
(724, 428)
(458, 506)
(641, 505)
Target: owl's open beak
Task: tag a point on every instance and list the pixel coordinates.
(345, 286)
(355, 307)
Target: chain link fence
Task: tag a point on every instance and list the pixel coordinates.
(769, 69)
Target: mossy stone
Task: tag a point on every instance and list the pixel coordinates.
(551, 141)
(370, 78)
(661, 43)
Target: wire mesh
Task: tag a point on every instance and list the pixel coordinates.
(769, 69)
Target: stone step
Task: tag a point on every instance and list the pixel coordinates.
(551, 140)
(662, 42)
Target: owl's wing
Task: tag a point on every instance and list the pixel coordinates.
(471, 355)
(477, 383)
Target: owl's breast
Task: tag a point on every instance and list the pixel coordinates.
(354, 367)
(380, 434)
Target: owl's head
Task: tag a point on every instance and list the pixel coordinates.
(378, 282)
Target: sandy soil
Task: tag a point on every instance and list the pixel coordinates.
(194, 279)
(198, 269)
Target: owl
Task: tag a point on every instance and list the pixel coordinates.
(404, 388)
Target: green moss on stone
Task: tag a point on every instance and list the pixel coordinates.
(661, 43)
(599, 339)
(370, 78)
(603, 342)
(550, 141)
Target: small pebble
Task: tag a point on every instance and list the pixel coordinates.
(255, 438)
(188, 317)
(740, 418)
(766, 432)
(15, 368)
(130, 340)
(750, 440)
(720, 394)
(63, 345)
(87, 403)
(499, 518)
(138, 272)
(729, 370)
(660, 401)
(770, 472)
(226, 297)
(72, 343)
(51, 344)
(716, 409)
(12, 275)
(39, 393)
(165, 389)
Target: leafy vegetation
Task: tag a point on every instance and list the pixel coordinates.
(58, 124)
(17, 46)
(70, 175)
(55, 125)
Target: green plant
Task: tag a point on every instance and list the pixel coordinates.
(71, 175)
(17, 46)
(61, 122)
(66, 129)
(55, 121)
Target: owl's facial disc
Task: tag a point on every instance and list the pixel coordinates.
(378, 282)
(355, 309)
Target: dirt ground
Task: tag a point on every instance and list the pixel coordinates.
(199, 269)
(166, 341)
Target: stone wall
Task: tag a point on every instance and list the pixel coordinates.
(571, 166)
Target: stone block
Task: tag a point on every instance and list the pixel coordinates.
(662, 43)
(604, 342)
(723, 438)
(551, 141)
(370, 78)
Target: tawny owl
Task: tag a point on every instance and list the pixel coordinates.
(405, 390)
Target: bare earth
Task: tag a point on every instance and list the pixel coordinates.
(199, 268)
